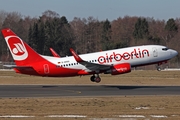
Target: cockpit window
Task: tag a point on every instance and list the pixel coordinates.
(165, 49)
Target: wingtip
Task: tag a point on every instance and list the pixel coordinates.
(54, 53)
(76, 56)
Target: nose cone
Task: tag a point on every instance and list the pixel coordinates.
(173, 53)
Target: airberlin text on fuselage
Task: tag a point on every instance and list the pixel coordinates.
(136, 53)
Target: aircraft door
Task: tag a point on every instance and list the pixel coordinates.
(46, 68)
(155, 52)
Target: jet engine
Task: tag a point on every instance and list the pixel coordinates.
(119, 69)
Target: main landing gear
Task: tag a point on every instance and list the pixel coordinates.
(96, 78)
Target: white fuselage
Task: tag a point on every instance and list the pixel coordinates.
(136, 56)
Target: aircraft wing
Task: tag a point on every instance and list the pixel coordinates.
(89, 65)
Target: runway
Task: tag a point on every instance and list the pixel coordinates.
(15, 91)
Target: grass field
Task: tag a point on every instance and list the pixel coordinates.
(170, 78)
(94, 108)
(102, 107)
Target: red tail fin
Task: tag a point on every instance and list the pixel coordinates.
(21, 52)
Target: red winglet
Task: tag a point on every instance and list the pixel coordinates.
(76, 56)
(54, 53)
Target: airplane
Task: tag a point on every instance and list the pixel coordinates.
(114, 62)
(54, 53)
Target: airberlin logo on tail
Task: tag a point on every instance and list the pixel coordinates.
(19, 49)
(16, 47)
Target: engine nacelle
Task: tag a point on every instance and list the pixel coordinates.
(119, 69)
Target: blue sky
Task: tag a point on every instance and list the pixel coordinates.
(100, 9)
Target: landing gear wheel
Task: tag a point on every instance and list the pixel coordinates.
(92, 78)
(97, 79)
(158, 68)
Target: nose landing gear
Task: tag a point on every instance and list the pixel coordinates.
(158, 65)
(158, 68)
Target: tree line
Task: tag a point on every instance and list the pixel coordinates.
(86, 35)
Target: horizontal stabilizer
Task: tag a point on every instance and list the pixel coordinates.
(10, 66)
(22, 69)
(19, 67)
